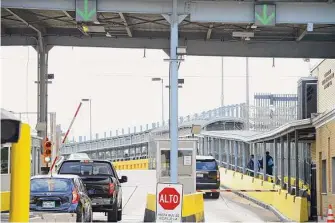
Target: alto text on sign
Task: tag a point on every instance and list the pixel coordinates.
(169, 202)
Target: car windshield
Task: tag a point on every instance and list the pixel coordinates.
(206, 165)
(86, 169)
(50, 185)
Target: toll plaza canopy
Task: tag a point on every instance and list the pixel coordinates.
(304, 28)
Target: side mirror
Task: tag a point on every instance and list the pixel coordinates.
(123, 179)
(10, 127)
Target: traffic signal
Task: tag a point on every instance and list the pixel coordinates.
(47, 151)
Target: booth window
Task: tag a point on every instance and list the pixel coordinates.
(5, 160)
(183, 170)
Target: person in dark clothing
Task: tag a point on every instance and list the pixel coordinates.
(269, 163)
(250, 165)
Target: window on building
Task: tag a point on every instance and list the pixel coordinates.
(333, 175)
(5, 160)
(324, 176)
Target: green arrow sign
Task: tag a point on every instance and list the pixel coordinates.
(265, 14)
(86, 10)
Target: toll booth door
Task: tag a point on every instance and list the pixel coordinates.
(313, 193)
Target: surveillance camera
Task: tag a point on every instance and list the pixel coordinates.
(10, 127)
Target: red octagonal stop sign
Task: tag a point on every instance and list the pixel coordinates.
(169, 198)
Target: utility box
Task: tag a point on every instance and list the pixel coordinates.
(307, 97)
(187, 149)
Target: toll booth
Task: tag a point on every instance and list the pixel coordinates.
(187, 149)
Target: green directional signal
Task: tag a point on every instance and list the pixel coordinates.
(86, 10)
(265, 15)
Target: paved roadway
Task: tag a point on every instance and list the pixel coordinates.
(228, 208)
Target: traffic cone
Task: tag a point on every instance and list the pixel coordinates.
(330, 217)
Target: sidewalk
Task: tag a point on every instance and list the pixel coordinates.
(45, 217)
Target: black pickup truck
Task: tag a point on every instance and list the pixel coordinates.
(102, 184)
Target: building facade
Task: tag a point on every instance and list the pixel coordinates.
(325, 136)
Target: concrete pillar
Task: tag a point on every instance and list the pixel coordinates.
(254, 145)
(236, 154)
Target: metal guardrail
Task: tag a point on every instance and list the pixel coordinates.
(236, 111)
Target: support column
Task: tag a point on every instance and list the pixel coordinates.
(227, 153)
(296, 139)
(282, 170)
(254, 145)
(220, 151)
(265, 177)
(236, 154)
(243, 156)
(275, 165)
(288, 163)
(42, 115)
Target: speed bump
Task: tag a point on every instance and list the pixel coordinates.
(192, 209)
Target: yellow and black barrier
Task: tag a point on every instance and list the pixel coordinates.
(141, 164)
(192, 209)
(289, 206)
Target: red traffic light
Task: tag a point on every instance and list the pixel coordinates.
(47, 144)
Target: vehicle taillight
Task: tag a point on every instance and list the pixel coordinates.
(75, 196)
(111, 188)
(218, 175)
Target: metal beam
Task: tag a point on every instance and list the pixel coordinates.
(209, 32)
(125, 23)
(39, 33)
(73, 19)
(271, 49)
(204, 11)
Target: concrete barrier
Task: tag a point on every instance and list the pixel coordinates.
(291, 207)
(5, 198)
(192, 210)
(141, 164)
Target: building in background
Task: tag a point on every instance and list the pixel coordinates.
(324, 123)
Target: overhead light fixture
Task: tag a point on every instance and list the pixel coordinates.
(181, 50)
(243, 34)
(108, 34)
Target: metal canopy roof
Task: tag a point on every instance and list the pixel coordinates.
(206, 30)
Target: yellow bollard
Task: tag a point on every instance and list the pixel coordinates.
(20, 177)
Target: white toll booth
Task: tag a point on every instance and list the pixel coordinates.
(187, 151)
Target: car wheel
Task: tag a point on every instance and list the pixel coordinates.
(112, 216)
(80, 215)
(119, 214)
(216, 195)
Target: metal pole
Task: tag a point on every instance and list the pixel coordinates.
(174, 94)
(162, 101)
(91, 119)
(42, 90)
(247, 93)
(222, 84)
(74, 117)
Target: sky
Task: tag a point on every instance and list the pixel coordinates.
(119, 83)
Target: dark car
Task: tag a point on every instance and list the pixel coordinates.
(65, 193)
(102, 183)
(208, 175)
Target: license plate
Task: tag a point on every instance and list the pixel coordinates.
(200, 175)
(48, 204)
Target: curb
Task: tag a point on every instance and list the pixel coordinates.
(266, 206)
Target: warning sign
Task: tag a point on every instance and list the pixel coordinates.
(169, 202)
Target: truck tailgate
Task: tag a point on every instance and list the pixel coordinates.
(97, 186)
